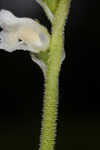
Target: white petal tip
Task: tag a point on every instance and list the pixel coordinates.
(6, 18)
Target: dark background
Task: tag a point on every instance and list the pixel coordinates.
(21, 83)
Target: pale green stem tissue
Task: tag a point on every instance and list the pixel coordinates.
(48, 131)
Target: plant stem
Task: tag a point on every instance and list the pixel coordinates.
(49, 124)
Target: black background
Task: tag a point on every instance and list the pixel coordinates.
(21, 83)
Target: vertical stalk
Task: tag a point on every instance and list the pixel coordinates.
(49, 124)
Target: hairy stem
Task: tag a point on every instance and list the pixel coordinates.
(49, 124)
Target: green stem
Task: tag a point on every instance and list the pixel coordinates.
(49, 124)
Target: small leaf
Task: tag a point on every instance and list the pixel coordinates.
(52, 4)
(46, 9)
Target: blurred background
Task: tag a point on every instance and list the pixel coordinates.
(21, 83)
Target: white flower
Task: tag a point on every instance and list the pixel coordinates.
(23, 34)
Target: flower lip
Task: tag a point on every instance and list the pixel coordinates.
(22, 33)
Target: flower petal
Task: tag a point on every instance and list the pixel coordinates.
(7, 19)
(11, 43)
(8, 41)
